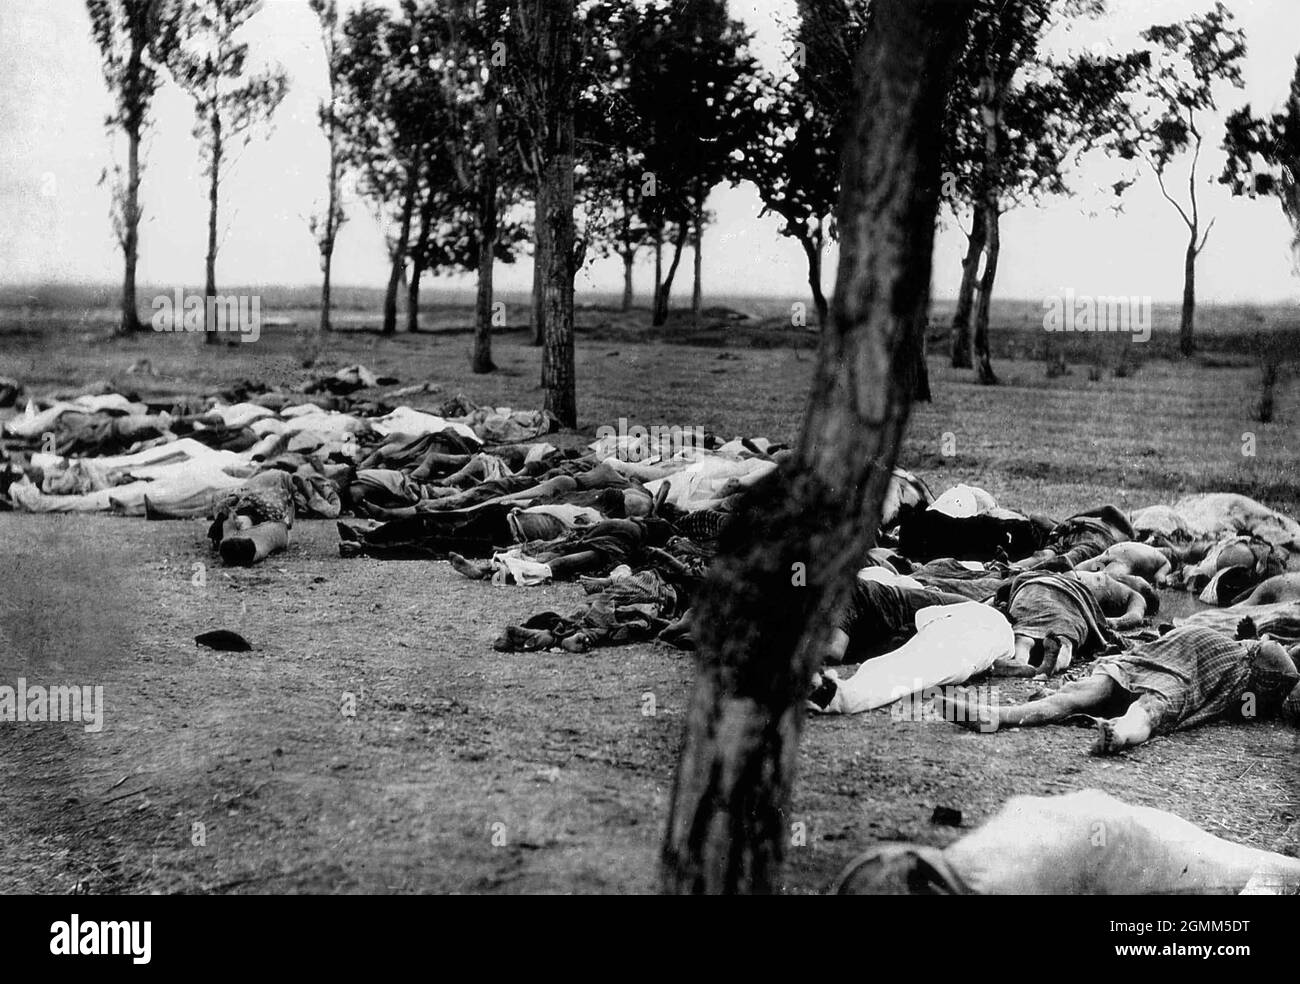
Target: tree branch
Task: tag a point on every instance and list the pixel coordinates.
(1206, 236)
(1160, 179)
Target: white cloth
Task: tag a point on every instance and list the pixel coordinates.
(183, 488)
(417, 423)
(33, 423)
(703, 483)
(964, 501)
(525, 571)
(952, 644)
(239, 414)
(883, 575)
(1089, 843)
(567, 514)
(1214, 514)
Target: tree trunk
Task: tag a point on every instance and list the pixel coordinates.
(487, 233)
(327, 261)
(558, 61)
(991, 96)
(131, 236)
(812, 249)
(760, 635)
(959, 338)
(331, 224)
(697, 293)
(665, 290)
(210, 265)
(399, 252)
(418, 262)
(1186, 327)
(413, 296)
(980, 343)
(628, 258)
(659, 272)
(541, 260)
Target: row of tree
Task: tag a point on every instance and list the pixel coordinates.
(474, 126)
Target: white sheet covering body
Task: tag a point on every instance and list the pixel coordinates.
(952, 644)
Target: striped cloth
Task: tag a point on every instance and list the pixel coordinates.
(1199, 673)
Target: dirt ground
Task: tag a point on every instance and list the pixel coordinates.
(468, 770)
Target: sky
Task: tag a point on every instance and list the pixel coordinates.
(54, 214)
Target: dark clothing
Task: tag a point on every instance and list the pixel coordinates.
(952, 577)
(1039, 604)
(1087, 534)
(924, 534)
(879, 618)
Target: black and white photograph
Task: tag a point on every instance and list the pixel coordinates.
(651, 447)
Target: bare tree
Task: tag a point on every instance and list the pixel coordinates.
(325, 227)
(760, 634)
(1189, 60)
(132, 36)
(229, 102)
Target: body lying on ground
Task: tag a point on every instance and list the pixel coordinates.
(1135, 559)
(1081, 537)
(1060, 618)
(1281, 587)
(1083, 843)
(1212, 515)
(1182, 679)
(952, 644)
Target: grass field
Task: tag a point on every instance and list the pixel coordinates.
(452, 739)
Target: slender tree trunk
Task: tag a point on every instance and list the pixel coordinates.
(557, 56)
(326, 262)
(659, 272)
(665, 291)
(628, 258)
(760, 633)
(131, 235)
(980, 343)
(210, 265)
(959, 337)
(487, 233)
(628, 247)
(541, 260)
(418, 263)
(413, 296)
(330, 225)
(399, 252)
(991, 96)
(697, 292)
(1187, 325)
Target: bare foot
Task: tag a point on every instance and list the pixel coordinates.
(970, 716)
(1106, 742)
(466, 568)
(1012, 668)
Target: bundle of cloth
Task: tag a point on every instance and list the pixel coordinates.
(1210, 516)
(622, 607)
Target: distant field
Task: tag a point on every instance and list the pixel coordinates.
(1240, 333)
